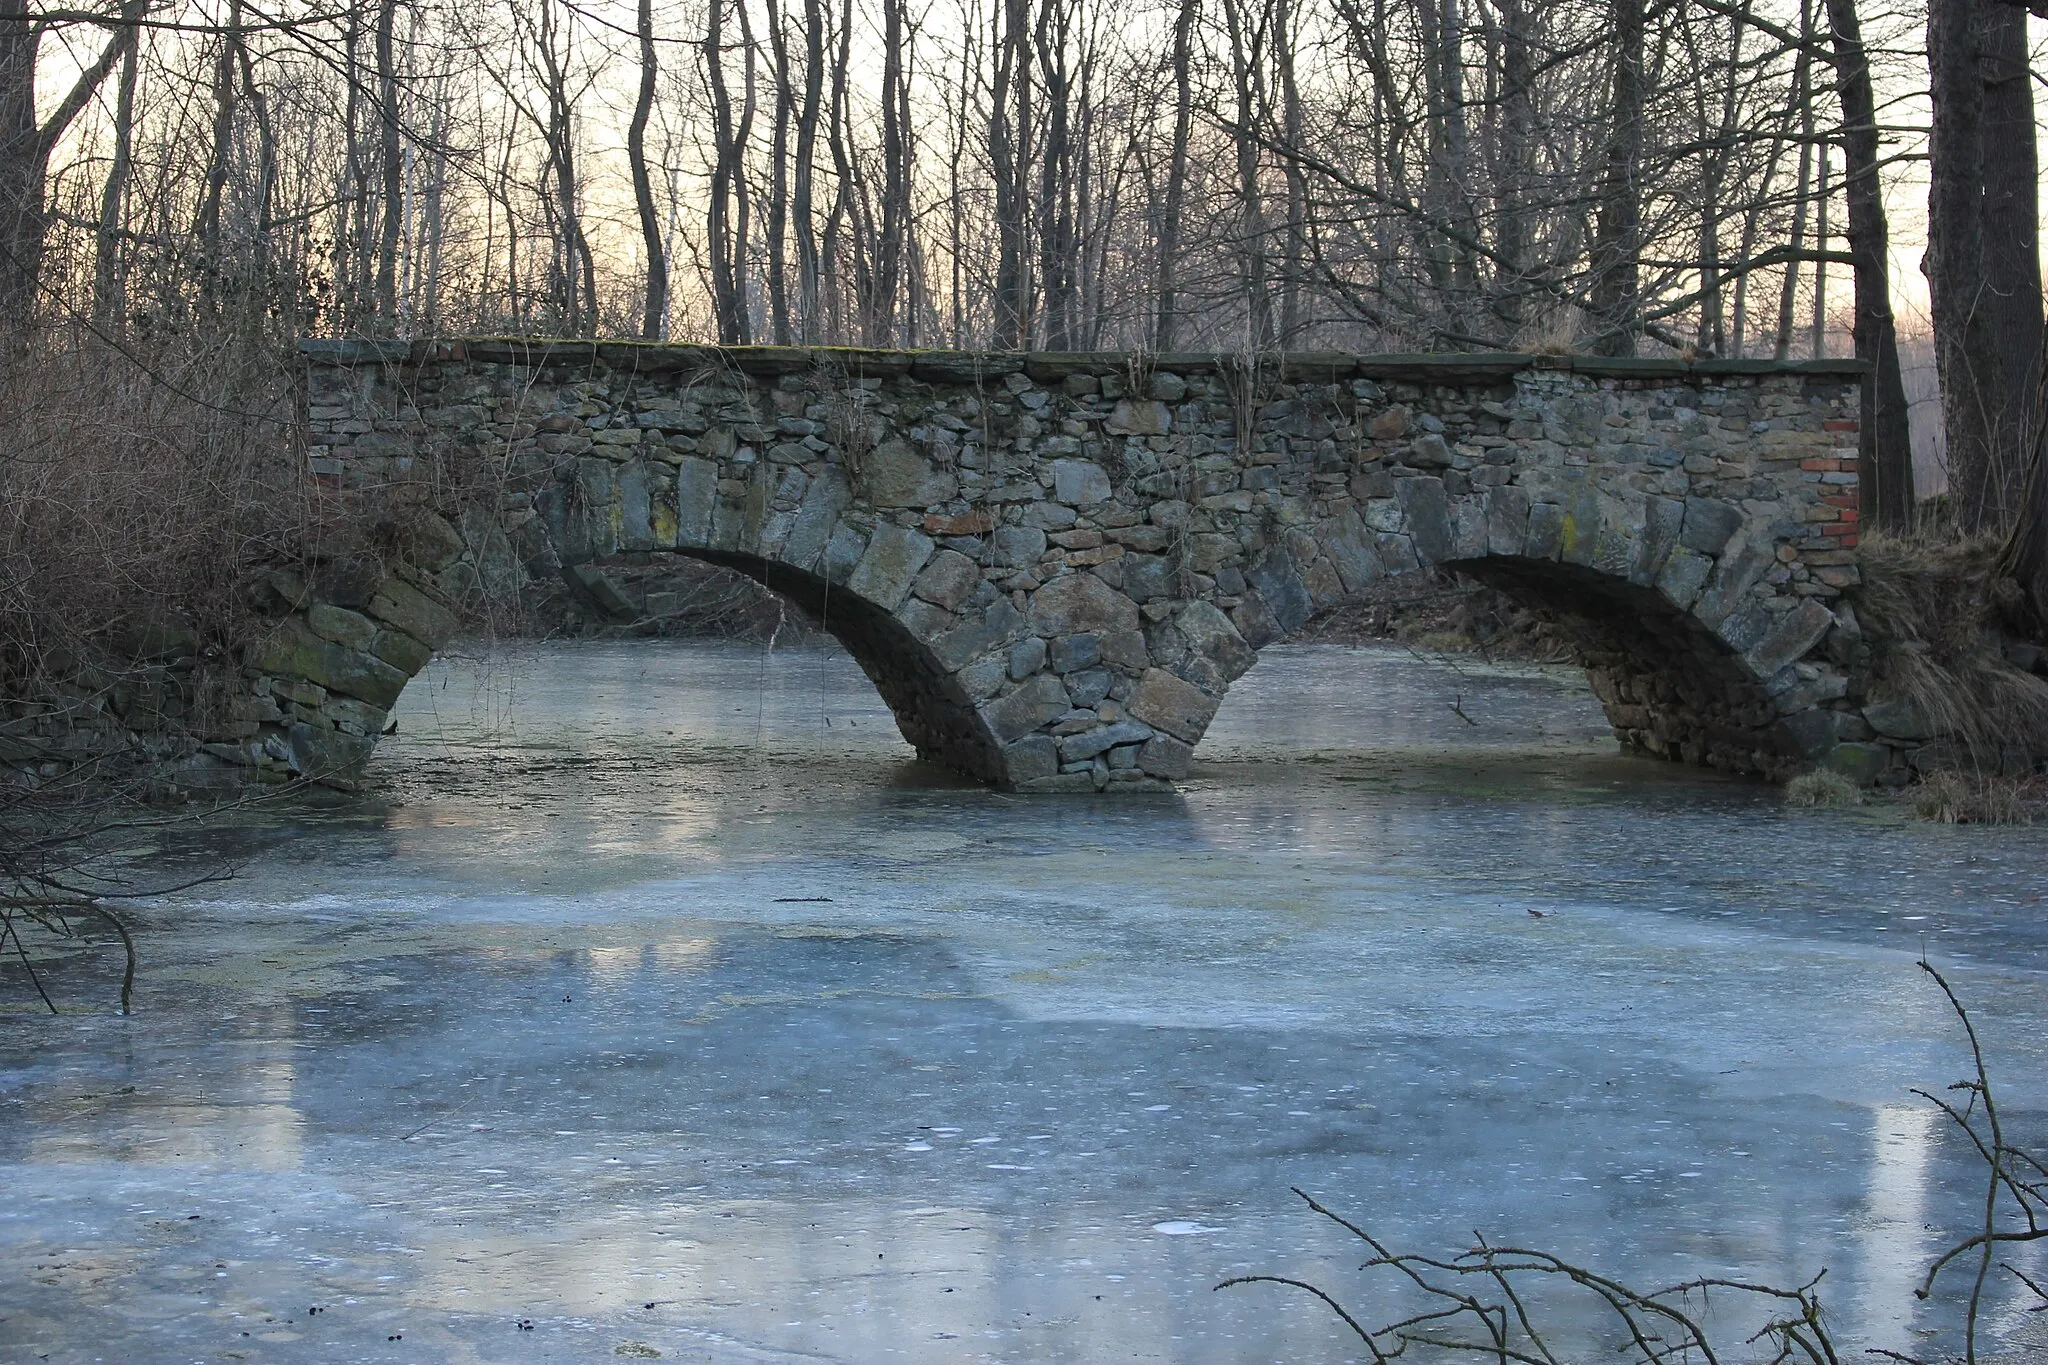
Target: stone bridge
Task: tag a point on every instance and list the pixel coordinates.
(1053, 566)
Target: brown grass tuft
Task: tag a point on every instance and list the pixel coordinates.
(1822, 787)
(1954, 798)
(1931, 615)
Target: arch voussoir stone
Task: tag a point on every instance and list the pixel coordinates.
(1055, 566)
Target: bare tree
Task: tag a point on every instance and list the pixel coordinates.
(654, 312)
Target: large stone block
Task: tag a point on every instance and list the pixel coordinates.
(1468, 527)
(323, 754)
(1217, 654)
(1164, 756)
(1350, 550)
(1081, 603)
(1796, 632)
(1860, 763)
(401, 651)
(398, 603)
(1034, 702)
(949, 580)
(1581, 534)
(893, 474)
(293, 651)
(1147, 577)
(1018, 547)
(342, 626)
(843, 552)
(636, 505)
(1427, 512)
(1658, 537)
(1032, 757)
(1709, 525)
(1900, 718)
(1279, 582)
(1079, 483)
(1102, 739)
(1544, 536)
(1734, 575)
(1809, 733)
(886, 571)
(997, 627)
(696, 500)
(1167, 703)
(1507, 520)
(1139, 417)
(1683, 575)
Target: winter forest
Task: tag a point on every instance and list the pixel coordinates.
(1692, 178)
(1035, 173)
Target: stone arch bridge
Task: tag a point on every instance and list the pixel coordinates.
(1053, 566)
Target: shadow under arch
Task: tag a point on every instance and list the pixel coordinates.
(1670, 686)
(933, 711)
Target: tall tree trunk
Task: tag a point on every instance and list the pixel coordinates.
(1615, 296)
(433, 220)
(1167, 319)
(1055, 200)
(1251, 216)
(1513, 236)
(220, 158)
(654, 309)
(2012, 249)
(25, 147)
(803, 207)
(777, 225)
(1294, 249)
(1955, 264)
(895, 218)
(262, 218)
(1788, 291)
(109, 283)
(393, 169)
(727, 304)
(1009, 152)
(1884, 439)
(852, 207)
(1817, 345)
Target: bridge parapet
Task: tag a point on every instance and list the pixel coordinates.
(1054, 565)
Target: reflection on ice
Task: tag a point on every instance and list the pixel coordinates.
(659, 998)
(1893, 1240)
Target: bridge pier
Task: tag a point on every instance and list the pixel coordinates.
(1054, 566)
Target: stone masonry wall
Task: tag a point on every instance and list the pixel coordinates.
(1053, 566)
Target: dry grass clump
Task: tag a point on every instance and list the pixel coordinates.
(1956, 798)
(1933, 616)
(1823, 787)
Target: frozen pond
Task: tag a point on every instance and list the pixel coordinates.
(657, 1001)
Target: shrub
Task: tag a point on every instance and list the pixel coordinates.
(1955, 798)
(1823, 787)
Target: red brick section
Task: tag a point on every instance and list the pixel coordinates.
(1843, 525)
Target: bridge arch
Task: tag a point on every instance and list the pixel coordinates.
(933, 712)
(1053, 567)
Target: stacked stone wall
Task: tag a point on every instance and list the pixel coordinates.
(1053, 566)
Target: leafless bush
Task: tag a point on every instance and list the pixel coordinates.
(137, 497)
(54, 876)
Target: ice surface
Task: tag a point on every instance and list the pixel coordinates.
(653, 1002)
